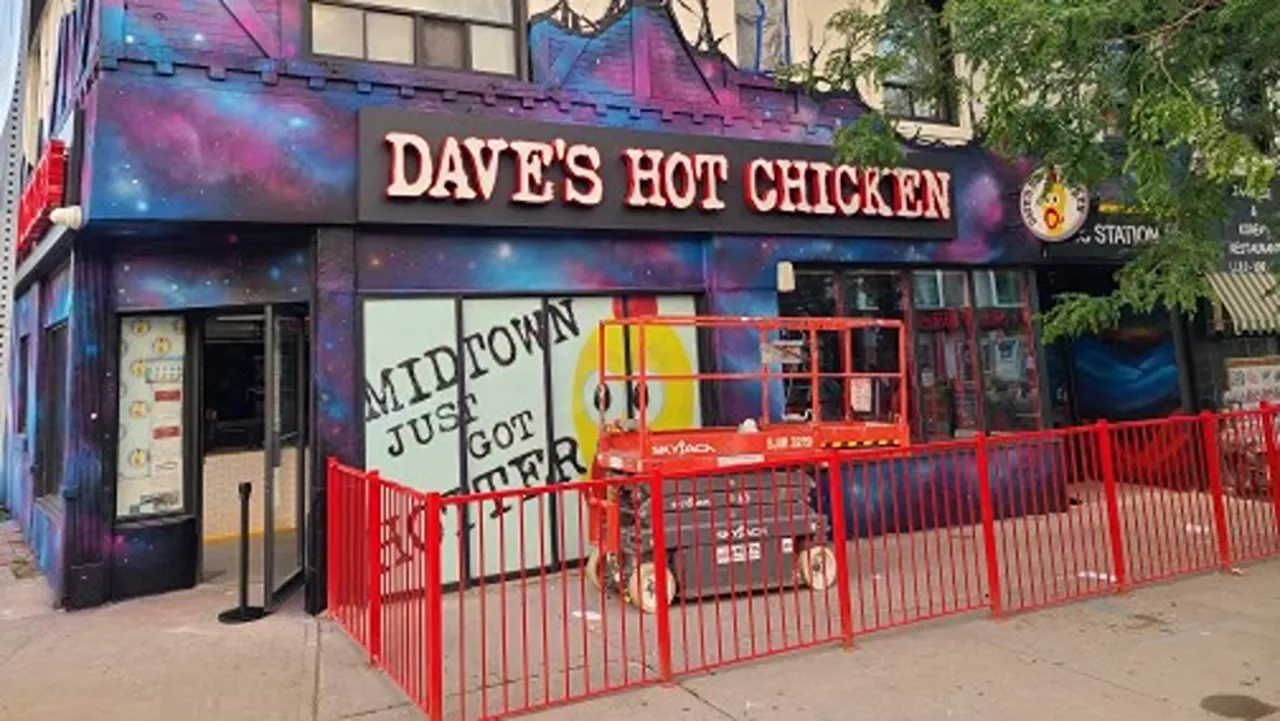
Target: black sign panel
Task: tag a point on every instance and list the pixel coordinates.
(1107, 236)
(1251, 243)
(418, 168)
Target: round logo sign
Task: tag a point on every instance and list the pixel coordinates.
(1052, 211)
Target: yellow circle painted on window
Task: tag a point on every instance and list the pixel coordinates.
(670, 404)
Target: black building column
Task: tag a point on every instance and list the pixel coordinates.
(1182, 357)
(338, 425)
(1043, 391)
(87, 492)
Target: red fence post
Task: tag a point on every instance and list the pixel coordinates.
(840, 545)
(374, 481)
(983, 466)
(1107, 458)
(434, 531)
(662, 611)
(1209, 426)
(1273, 459)
(331, 574)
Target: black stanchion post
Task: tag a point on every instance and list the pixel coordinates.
(243, 613)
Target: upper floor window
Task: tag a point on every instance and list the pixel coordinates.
(479, 35)
(47, 55)
(998, 288)
(764, 34)
(938, 289)
(916, 91)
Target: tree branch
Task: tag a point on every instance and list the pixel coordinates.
(1203, 7)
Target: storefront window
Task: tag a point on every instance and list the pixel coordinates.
(931, 289)
(24, 383)
(973, 356)
(947, 400)
(872, 350)
(871, 294)
(816, 296)
(150, 444)
(468, 408)
(1007, 351)
(998, 288)
(52, 394)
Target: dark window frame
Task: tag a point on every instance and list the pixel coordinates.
(757, 66)
(53, 391)
(970, 318)
(988, 277)
(948, 112)
(24, 382)
(519, 28)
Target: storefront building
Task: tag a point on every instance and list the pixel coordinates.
(280, 259)
(1137, 370)
(1236, 342)
(1153, 366)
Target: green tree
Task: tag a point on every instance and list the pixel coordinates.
(1180, 98)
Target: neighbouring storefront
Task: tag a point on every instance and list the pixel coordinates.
(1236, 341)
(410, 277)
(1137, 370)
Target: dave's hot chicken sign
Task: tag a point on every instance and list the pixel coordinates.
(471, 170)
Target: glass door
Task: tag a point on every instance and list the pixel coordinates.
(286, 475)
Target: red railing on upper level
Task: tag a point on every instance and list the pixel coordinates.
(490, 604)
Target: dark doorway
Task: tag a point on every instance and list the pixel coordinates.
(255, 391)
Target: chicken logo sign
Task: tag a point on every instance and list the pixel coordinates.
(1051, 210)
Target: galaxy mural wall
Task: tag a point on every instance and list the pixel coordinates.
(1127, 374)
(222, 167)
(267, 146)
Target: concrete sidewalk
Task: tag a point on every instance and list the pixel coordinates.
(1168, 652)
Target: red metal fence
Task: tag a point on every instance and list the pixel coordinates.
(489, 604)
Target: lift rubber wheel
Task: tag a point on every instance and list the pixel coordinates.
(593, 566)
(817, 566)
(642, 588)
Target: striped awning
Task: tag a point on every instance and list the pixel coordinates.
(1250, 299)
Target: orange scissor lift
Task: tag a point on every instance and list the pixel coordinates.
(730, 531)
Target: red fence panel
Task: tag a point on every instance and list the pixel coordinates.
(1052, 527)
(490, 604)
(915, 519)
(348, 539)
(524, 631)
(1246, 452)
(690, 573)
(755, 561)
(1165, 499)
(405, 627)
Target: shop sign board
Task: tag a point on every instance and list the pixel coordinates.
(1251, 245)
(1111, 233)
(42, 194)
(418, 168)
(1114, 233)
(1092, 227)
(1251, 382)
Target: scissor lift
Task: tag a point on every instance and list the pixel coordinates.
(774, 536)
